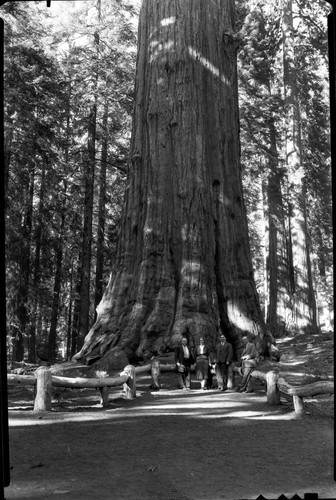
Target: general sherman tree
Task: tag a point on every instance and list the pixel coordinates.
(183, 264)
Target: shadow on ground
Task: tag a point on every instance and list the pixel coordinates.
(169, 445)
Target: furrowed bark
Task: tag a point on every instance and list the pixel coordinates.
(183, 262)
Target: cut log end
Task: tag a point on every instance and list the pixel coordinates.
(130, 385)
(298, 406)
(273, 393)
(43, 389)
(104, 397)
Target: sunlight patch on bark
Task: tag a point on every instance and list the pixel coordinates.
(207, 64)
(238, 319)
(168, 20)
(156, 48)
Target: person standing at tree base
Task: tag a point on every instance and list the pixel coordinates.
(249, 362)
(224, 354)
(183, 360)
(201, 356)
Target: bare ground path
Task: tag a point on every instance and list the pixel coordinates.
(169, 445)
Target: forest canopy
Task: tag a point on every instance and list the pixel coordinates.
(69, 86)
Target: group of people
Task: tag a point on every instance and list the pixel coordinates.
(208, 363)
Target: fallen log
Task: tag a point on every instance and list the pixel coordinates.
(170, 367)
(88, 383)
(304, 391)
(260, 375)
(71, 369)
(72, 382)
(309, 390)
(13, 379)
(143, 368)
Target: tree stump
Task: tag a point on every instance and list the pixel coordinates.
(104, 397)
(130, 385)
(156, 374)
(298, 406)
(231, 377)
(273, 394)
(43, 389)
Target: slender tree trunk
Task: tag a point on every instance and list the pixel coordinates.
(84, 310)
(55, 303)
(302, 303)
(183, 262)
(59, 251)
(37, 270)
(101, 213)
(69, 352)
(19, 332)
(57, 283)
(83, 325)
(69, 330)
(7, 157)
(265, 239)
(277, 258)
(76, 308)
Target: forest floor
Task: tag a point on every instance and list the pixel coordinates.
(178, 445)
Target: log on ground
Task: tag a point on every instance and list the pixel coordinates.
(13, 379)
(87, 383)
(309, 390)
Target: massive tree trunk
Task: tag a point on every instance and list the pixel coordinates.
(303, 307)
(183, 262)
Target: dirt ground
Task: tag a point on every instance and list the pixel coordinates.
(177, 445)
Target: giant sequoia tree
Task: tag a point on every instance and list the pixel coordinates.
(183, 263)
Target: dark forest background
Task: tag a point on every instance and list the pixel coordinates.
(69, 83)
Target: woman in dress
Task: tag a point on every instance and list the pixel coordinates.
(202, 357)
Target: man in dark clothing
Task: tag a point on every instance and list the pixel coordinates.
(184, 361)
(224, 354)
(249, 362)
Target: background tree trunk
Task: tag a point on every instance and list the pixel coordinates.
(101, 212)
(90, 166)
(85, 272)
(183, 262)
(277, 258)
(19, 331)
(53, 348)
(303, 308)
